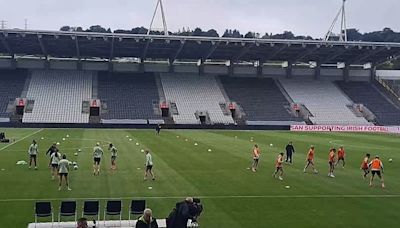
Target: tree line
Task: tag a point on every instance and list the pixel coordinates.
(386, 35)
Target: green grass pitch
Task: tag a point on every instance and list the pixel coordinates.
(232, 195)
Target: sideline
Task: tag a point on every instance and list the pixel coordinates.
(19, 140)
(210, 197)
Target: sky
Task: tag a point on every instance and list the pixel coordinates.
(302, 17)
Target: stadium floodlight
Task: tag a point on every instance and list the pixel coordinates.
(341, 65)
(367, 66)
(312, 64)
(343, 27)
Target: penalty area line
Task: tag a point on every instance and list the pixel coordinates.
(19, 140)
(208, 197)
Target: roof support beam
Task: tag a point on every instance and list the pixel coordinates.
(277, 52)
(146, 48)
(337, 54)
(362, 57)
(242, 52)
(303, 55)
(42, 47)
(111, 57)
(111, 50)
(210, 51)
(78, 52)
(174, 57)
(5, 44)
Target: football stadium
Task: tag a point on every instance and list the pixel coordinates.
(154, 129)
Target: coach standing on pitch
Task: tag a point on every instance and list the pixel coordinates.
(289, 152)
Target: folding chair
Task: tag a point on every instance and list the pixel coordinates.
(113, 207)
(42, 210)
(91, 208)
(137, 208)
(67, 208)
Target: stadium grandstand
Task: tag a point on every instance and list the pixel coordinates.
(235, 110)
(139, 79)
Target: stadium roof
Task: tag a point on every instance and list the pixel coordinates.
(114, 45)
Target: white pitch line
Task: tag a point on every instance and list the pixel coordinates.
(19, 140)
(209, 197)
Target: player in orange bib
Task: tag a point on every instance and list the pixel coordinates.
(310, 159)
(279, 167)
(341, 154)
(376, 168)
(331, 161)
(256, 157)
(364, 165)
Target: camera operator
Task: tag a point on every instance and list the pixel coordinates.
(183, 211)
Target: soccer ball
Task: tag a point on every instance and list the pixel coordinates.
(142, 150)
(137, 144)
(130, 139)
(76, 154)
(67, 136)
(79, 150)
(209, 150)
(75, 167)
(57, 143)
(63, 139)
(390, 160)
(271, 144)
(195, 144)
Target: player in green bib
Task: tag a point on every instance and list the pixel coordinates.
(149, 166)
(113, 151)
(97, 154)
(33, 153)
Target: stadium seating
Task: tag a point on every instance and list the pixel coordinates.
(365, 93)
(113, 207)
(43, 210)
(195, 93)
(129, 96)
(260, 99)
(324, 100)
(67, 208)
(11, 86)
(58, 96)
